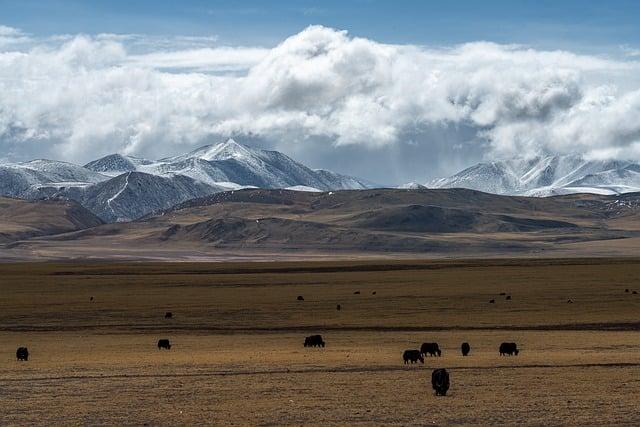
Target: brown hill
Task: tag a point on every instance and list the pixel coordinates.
(451, 222)
(21, 219)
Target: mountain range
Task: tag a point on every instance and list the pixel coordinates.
(120, 188)
(264, 224)
(546, 176)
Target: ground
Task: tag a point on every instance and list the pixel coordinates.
(237, 332)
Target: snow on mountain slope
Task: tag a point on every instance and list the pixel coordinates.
(231, 162)
(25, 179)
(135, 194)
(546, 176)
(120, 188)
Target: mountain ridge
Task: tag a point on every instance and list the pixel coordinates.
(102, 185)
(547, 176)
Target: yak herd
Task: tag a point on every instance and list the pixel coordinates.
(439, 377)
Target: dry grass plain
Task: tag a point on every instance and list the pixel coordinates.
(237, 333)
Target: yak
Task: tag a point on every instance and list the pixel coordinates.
(314, 341)
(164, 343)
(509, 348)
(465, 348)
(430, 347)
(412, 356)
(22, 354)
(440, 381)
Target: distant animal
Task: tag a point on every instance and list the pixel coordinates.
(373, 293)
(492, 301)
(412, 356)
(502, 294)
(430, 347)
(635, 292)
(626, 290)
(168, 315)
(356, 293)
(90, 298)
(338, 307)
(22, 354)
(509, 348)
(300, 298)
(164, 343)
(508, 298)
(440, 381)
(569, 301)
(314, 341)
(465, 348)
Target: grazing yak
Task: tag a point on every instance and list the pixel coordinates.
(508, 298)
(465, 348)
(440, 381)
(412, 356)
(168, 315)
(431, 348)
(492, 301)
(314, 341)
(300, 298)
(338, 307)
(164, 343)
(509, 348)
(22, 354)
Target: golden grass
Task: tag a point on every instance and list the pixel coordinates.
(237, 334)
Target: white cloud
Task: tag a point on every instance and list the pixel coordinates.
(82, 96)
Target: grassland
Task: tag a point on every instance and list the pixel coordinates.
(237, 333)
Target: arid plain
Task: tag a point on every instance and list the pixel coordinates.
(237, 332)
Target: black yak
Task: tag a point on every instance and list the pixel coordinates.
(440, 381)
(412, 356)
(430, 347)
(465, 348)
(509, 348)
(164, 343)
(22, 354)
(314, 341)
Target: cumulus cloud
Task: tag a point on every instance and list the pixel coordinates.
(319, 91)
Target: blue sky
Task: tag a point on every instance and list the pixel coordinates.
(413, 90)
(570, 24)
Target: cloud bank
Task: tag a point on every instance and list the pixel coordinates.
(320, 94)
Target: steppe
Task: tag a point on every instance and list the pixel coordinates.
(237, 332)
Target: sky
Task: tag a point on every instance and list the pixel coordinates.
(388, 91)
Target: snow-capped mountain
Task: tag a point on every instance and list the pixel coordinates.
(233, 165)
(547, 176)
(121, 188)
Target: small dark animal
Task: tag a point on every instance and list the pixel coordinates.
(300, 298)
(569, 301)
(465, 348)
(430, 347)
(338, 307)
(373, 293)
(90, 298)
(164, 343)
(314, 341)
(168, 315)
(412, 356)
(502, 294)
(22, 354)
(635, 292)
(509, 348)
(626, 290)
(508, 298)
(492, 301)
(356, 293)
(440, 381)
